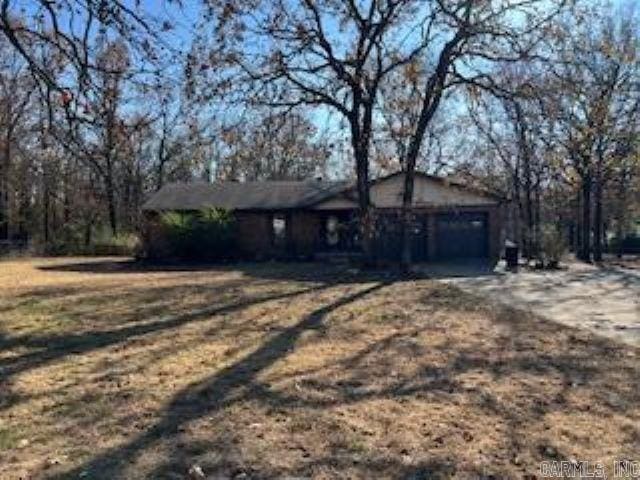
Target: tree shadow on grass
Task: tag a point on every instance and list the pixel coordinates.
(43, 350)
(211, 395)
(273, 270)
(55, 347)
(360, 382)
(270, 270)
(207, 421)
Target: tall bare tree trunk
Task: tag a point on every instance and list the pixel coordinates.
(577, 223)
(109, 181)
(598, 189)
(431, 101)
(367, 214)
(524, 152)
(111, 205)
(88, 231)
(537, 219)
(528, 204)
(407, 218)
(621, 213)
(5, 181)
(585, 243)
(46, 207)
(5, 214)
(597, 221)
(360, 120)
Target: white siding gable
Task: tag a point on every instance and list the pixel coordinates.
(428, 192)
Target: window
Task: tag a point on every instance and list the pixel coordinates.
(333, 235)
(279, 228)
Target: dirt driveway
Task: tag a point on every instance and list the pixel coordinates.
(604, 300)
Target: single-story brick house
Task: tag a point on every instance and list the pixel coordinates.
(314, 218)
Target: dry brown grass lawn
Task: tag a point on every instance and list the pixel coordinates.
(632, 262)
(269, 371)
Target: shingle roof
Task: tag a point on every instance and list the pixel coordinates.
(262, 195)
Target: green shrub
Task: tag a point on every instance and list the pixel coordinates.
(553, 246)
(206, 235)
(178, 228)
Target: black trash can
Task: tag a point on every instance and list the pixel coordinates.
(511, 254)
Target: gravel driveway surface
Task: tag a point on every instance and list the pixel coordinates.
(605, 300)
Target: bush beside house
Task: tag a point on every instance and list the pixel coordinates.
(209, 234)
(553, 246)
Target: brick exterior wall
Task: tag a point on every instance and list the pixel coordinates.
(496, 232)
(305, 229)
(153, 238)
(255, 236)
(254, 232)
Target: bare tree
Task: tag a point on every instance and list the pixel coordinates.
(592, 98)
(272, 146)
(468, 39)
(15, 97)
(69, 28)
(400, 112)
(338, 55)
(326, 54)
(510, 123)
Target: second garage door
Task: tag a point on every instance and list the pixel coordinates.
(462, 235)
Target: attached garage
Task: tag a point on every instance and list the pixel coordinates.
(302, 219)
(456, 222)
(462, 235)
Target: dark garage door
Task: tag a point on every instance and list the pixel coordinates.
(462, 235)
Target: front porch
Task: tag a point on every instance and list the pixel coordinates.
(437, 234)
